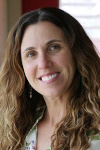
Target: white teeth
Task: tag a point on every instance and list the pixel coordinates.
(47, 78)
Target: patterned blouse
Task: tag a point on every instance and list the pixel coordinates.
(30, 140)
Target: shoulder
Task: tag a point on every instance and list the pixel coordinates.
(30, 140)
(40, 112)
(95, 145)
(94, 140)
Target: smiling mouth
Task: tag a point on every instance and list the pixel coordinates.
(49, 77)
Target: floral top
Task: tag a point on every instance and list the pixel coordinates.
(30, 140)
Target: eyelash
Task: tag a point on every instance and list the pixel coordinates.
(31, 54)
(55, 47)
(52, 49)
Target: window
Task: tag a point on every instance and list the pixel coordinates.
(87, 12)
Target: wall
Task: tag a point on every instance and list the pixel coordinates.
(2, 28)
(35, 4)
(10, 11)
(14, 11)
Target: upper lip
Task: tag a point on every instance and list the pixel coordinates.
(48, 74)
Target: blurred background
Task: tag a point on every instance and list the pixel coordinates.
(87, 12)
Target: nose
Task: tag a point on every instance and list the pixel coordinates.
(44, 62)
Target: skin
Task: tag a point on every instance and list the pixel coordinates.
(44, 52)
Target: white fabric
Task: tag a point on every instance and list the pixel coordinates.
(95, 145)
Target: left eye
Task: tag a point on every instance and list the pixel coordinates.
(55, 47)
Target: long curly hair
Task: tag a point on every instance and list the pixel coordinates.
(18, 111)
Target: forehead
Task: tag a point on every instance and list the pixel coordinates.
(44, 28)
(39, 34)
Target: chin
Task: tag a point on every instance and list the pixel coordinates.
(52, 94)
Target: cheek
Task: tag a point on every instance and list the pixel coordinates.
(29, 70)
(68, 63)
(63, 60)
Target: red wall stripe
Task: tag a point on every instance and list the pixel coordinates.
(28, 5)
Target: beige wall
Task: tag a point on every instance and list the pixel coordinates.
(2, 27)
(13, 12)
(10, 11)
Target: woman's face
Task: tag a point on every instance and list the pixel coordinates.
(47, 60)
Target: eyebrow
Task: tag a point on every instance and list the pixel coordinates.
(48, 43)
(52, 41)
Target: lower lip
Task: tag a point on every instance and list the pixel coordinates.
(50, 81)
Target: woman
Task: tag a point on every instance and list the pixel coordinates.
(49, 85)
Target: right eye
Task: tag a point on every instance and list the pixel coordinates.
(31, 54)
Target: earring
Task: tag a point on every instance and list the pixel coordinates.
(31, 92)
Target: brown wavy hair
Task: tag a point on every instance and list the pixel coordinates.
(18, 112)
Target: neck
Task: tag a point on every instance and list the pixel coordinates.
(56, 111)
